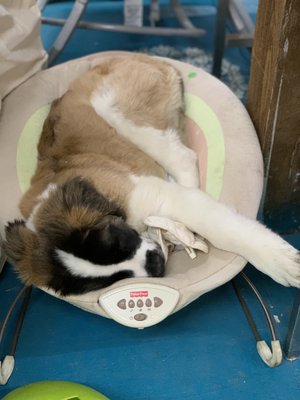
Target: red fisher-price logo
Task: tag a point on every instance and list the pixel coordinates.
(139, 293)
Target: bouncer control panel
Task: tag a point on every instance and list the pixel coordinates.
(139, 305)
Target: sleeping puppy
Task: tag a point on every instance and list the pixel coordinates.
(104, 156)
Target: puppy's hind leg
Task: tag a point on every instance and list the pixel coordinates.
(222, 226)
(164, 146)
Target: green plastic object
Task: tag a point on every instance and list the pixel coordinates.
(54, 390)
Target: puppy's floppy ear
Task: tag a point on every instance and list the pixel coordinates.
(22, 249)
(19, 240)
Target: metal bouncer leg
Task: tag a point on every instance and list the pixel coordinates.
(67, 30)
(8, 362)
(270, 356)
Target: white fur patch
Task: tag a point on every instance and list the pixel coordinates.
(43, 196)
(85, 269)
(159, 145)
(221, 225)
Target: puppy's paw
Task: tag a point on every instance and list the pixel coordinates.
(280, 262)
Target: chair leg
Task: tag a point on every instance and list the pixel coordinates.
(154, 15)
(220, 36)
(67, 30)
(42, 4)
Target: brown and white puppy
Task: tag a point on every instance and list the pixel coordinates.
(105, 152)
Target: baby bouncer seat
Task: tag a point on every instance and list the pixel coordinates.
(231, 170)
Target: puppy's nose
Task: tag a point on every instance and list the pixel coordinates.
(155, 263)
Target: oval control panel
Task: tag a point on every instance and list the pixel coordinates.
(139, 305)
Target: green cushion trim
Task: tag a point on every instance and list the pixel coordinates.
(208, 122)
(27, 147)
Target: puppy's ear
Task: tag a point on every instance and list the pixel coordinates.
(19, 240)
(22, 249)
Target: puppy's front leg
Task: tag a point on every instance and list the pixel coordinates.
(222, 226)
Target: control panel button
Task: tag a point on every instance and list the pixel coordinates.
(122, 304)
(140, 303)
(140, 317)
(157, 302)
(148, 303)
(131, 304)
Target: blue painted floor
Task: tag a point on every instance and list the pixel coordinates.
(204, 352)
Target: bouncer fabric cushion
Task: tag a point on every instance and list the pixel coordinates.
(218, 128)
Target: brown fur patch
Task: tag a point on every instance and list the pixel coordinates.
(25, 252)
(75, 205)
(78, 143)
